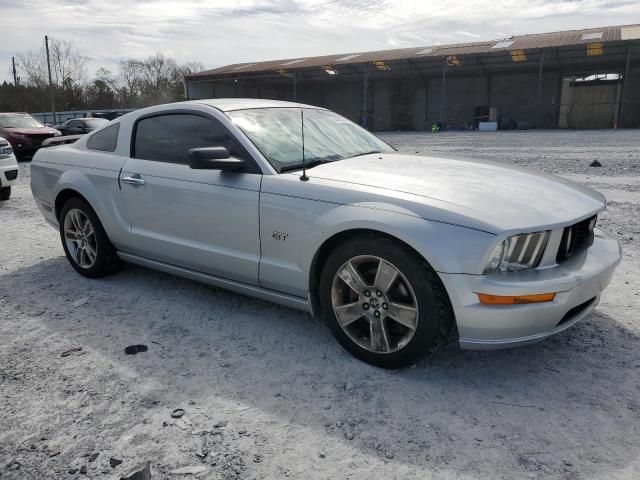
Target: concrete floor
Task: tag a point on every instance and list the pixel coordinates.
(295, 404)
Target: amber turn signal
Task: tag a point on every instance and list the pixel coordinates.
(515, 300)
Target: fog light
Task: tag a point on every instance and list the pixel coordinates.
(514, 299)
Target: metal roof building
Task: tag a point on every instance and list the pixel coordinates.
(573, 79)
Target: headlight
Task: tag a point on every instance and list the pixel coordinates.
(518, 252)
(5, 151)
(57, 133)
(18, 136)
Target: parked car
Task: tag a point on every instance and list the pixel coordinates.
(8, 169)
(80, 126)
(106, 115)
(298, 205)
(24, 132)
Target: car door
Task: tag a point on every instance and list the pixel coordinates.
(204, 220)
(75, 127)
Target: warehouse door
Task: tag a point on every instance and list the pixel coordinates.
(590, 102)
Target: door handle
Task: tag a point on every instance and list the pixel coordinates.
(135, 180)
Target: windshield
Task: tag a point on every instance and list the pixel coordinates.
(19, 121)
(96, 122)
(277, 133)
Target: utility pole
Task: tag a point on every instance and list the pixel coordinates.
(623, 92)
(15, 81)
(53, 100)
(443, 101)
(540, 66)
(15, 78)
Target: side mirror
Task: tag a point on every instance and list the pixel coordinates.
(213, 158)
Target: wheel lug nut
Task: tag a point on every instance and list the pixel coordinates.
(384, 306)
(367, 293)
(379, 293)
(376, 313)
(365, 306)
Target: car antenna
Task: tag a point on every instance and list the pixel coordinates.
(304, 177)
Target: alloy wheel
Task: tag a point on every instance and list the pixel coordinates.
(80, 238)
(374, 304)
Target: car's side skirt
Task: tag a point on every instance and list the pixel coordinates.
(250, 290)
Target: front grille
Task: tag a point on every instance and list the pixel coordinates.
(11, 174)
(575, 311)
(38, 139)
(576, 238)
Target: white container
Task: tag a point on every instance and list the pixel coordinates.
(488, 126)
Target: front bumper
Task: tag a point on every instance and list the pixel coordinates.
(577, 283)
(8, 171)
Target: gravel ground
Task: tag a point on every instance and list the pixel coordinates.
(269, 394)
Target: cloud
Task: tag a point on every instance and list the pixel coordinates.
(221, 32)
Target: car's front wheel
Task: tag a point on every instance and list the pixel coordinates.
(85, 242)
(384, 303)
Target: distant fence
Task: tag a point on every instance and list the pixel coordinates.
(46, 117)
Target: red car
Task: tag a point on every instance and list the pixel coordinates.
(25, 133)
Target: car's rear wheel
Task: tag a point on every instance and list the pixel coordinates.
(85, 242)
(5, 193)
(384, 303)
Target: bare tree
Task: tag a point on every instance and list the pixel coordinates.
(137, 83)
(159, 74)
(130, 81)
(68, 70)
(191, 68)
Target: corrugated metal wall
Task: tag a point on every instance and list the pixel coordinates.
(589, 105)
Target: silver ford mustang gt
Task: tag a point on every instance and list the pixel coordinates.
(298, 205)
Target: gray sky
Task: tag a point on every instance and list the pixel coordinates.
(222, 32)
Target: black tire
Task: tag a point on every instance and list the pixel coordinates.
(435, 315)
(106, 261)
(5, 193)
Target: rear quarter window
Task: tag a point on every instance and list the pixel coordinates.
(106, 140)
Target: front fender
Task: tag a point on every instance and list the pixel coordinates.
(293, 230)
(447, 248)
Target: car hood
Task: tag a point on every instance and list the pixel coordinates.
(32, 131)
(485, 195)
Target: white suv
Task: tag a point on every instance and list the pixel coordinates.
(8, 169)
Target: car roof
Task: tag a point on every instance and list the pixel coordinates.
(230, 104)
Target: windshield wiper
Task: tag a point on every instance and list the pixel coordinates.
(309, 164)
(365, 153)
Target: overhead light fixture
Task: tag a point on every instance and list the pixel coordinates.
(380, 65)
(594, 49)
(330, 69)
(453, 61)
(518, 56)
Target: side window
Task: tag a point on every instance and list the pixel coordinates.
(75, 123)
(105, 140)
(168, 138)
